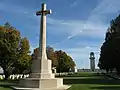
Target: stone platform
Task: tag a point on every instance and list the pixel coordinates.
(41, 84)
(64, 87)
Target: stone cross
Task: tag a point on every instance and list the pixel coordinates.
(45, 65)
(41, 77)
(42, 42)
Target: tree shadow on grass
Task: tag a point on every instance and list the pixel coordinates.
(106, 87)
(104, 81)
(8, 83)
(6, 87)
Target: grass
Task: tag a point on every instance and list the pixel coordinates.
(5, 85)
(92, 83)
(79, 81)
(94, 87)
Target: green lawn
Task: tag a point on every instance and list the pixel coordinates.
(5, 85)
(90, 82)
(94, 87)
(5, 88)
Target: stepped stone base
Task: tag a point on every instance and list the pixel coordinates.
(41, 78)
(41, 84)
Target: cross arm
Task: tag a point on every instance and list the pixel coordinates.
(44, 12)
(48, 11)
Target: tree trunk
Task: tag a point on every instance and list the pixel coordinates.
(6, 75)
(118, 71)
(107, 70)
(111, 70)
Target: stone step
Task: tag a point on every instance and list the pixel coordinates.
(45, 83)
(64, 87)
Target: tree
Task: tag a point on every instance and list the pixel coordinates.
(110, 50)
(24, 59)
(65, 62)
(13, 50)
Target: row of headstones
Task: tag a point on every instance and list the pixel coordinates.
(57, 74)
(89, 70)
(61, 73)
(20, 76)
(16, 76)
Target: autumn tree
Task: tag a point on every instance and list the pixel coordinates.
(14, 50)
(24, 59)
(65, 62)
(60, 59)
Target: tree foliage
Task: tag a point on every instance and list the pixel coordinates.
(110, 50)
(65, 62)
(60, 59)
(14, 50)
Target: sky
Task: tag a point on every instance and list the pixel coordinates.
(77, 27)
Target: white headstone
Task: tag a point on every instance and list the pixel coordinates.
(1, 77)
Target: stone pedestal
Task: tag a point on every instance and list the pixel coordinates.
(41, 69)
(41, 81)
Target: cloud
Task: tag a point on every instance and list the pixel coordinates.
(71, 37)
(107, 7)
(78, 28)
(31, 49)
(94, 26)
